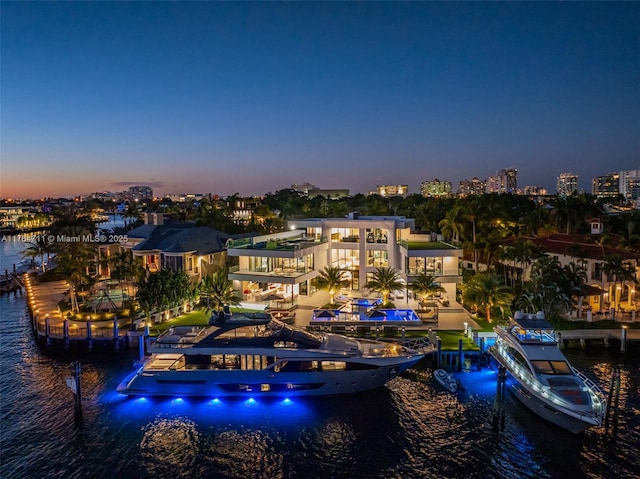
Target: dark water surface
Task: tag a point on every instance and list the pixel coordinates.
(409, 429)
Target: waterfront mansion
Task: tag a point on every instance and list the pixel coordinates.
(274, 270)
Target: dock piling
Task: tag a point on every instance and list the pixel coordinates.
(141, 348)
(613, 400)
(77, 374)
(89, 336)
(74, 383)
(498, 405)
(47, 330)
(116, 335)
(65, 334)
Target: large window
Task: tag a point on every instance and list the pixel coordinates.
(378, 259)
(596, 273)
(281, 265)
(431, 265)
(376, 235)
(350, 235)
(347, 259)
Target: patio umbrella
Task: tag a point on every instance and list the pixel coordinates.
(326, 314)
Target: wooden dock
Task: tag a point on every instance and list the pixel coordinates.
(623, 334)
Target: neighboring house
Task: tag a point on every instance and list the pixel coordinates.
(593, 257)
(284, 264)
(196, 250)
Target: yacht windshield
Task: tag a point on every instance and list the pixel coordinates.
(304, 338)
(534, 335)
(552, 367)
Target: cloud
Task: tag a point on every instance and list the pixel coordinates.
(153, 184)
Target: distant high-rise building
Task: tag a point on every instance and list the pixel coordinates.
(567, 184)
(392, 190)
(138, 193)
(435, 188)
(474, 186)
(534, 191)
(628, 184)
(330, 194)
(303, 188)
(504, 181)
(606, 186)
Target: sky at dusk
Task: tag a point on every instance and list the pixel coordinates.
(226, 97)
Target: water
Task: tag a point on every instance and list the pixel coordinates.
(408, 429)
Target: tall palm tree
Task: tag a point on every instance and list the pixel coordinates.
(217, 290)
(425, 285)
(486, 291)
(450, 226)
(331, 279)
(385, 281)
(472, 210)
(621, 273)
(37, 249)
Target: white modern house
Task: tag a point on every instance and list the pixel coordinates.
(275, 269)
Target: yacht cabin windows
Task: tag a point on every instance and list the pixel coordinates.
(552, 367)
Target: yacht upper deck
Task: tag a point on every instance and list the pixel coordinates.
(532, 329)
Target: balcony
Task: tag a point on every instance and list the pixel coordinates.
(284, 244)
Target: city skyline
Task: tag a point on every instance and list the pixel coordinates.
(254, 97)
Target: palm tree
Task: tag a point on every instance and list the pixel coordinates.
(37, 249)
(552, 287)
(472, 209)
(217, 290)
(385, 281)
(424, 286)
(131, 214)
(331, 279)
(163, 290)
(621, 272)
(486, 291)
(450, 226)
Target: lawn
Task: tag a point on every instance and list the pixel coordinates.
(450, 341)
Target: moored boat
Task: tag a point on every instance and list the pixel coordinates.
(254, 355)
(541, 377)
(446, 380)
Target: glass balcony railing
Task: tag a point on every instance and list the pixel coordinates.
(284, 244)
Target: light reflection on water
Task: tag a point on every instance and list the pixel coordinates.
(409, 429)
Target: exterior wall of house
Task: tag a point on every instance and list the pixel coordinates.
(357, 245)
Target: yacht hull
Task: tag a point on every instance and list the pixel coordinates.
(545, 411)
(260, 383)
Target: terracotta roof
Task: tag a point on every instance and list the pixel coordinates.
(569, 245)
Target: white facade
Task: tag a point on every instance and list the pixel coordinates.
(287, 262)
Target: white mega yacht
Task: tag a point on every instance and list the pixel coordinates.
(541, 377)
(254, 355)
